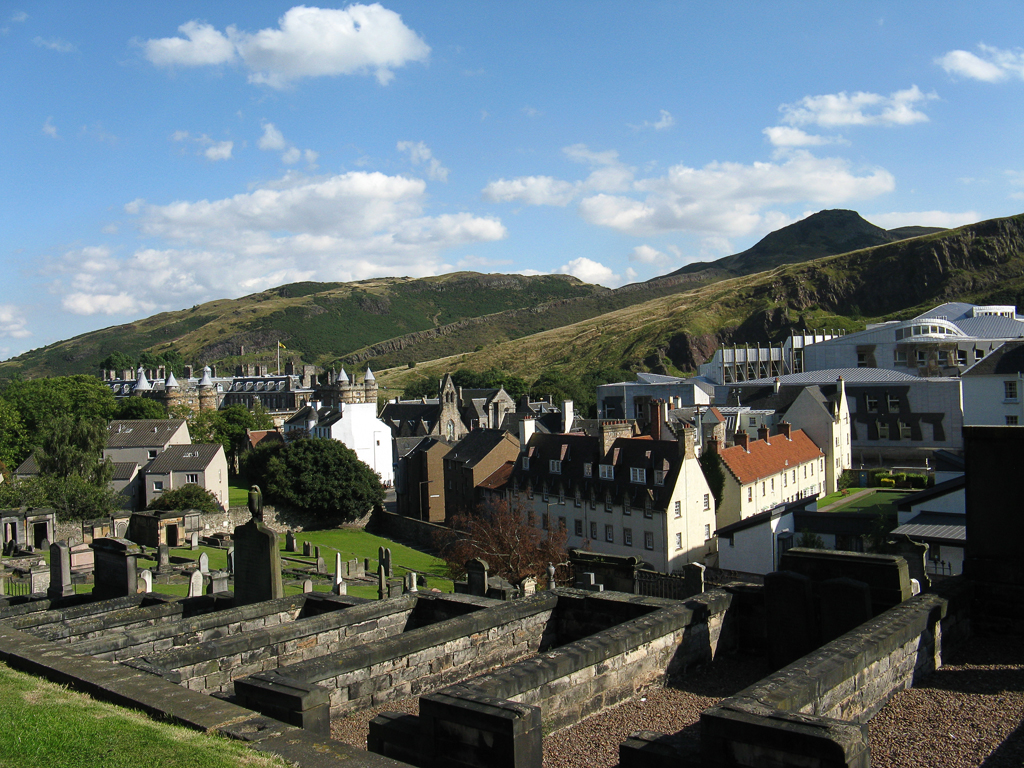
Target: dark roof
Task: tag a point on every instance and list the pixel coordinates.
(499, 478)
(762, 517)
(184, 458)
(947, 461)
(937, 490)
(422, 444)
(1008, 358)
(141, 433)
(765, 398)
(856, 523)
(940, 527)
(411, 412)
(124, 470)
(477, 445)
(28, 467)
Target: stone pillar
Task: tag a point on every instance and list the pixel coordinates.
(338, 588)
(115, 570)
(382, 583)
(60, 571)
(551, 576)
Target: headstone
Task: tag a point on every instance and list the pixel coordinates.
(382, 583)
(257, 560)
(551, 576)
(355, 570)
(338, 568)
(163, 557)
(195, 584)
(307, 586)
(410, 581)
(476, 577)
(204, 563)
(321, 566)
(115, 568)
(384, 558)
(194, 540)
(256, 503)
(693, 575)
(915, 587)
(218, 582)
(789, 611)
(316, 552)
(39, 578)
(588, 581)
(842, 605)
(307, 549)
(60, 571)
(528, 586)
(45, 544)
(231, 559)
(289, 541)
(146, 581)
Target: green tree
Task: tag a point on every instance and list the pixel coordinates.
(75, 477)
(321, 476)
(424, 386)
(117, 361)
(188, 496)
(139, 408)
(711, 466)
(810, 540)
(39, 400)
(14, 446)
(23, 493)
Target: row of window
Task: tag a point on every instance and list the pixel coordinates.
(945, 357)
(158, 485)
(786, 479)
(605, 471)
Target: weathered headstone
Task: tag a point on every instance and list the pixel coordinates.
(204, 563)
(257, 559)
(355, 569)
(410, 581)
(163, 557)
(195, 584)
(842, 605)
(316, 552)
(789, 611)
(194, 540)
(307, 549)
(307, 586)
(218, 582)
(321, 566)
(693, 575)
(528, 586)
(39, 578)
(146, 581)
(231, 559)
(388, 567)
(476, 577)
(115, 567)
(289, 541)
(382, 583)
(60, 571)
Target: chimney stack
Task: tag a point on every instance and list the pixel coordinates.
(786, 429)
(526, 429)
(742, 439)
(712, 445)
(762, 434)
(687, 443)
(568, 415)
(658, 418)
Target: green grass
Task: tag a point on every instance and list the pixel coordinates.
(46, 725)
(878, 500)
(238, 495)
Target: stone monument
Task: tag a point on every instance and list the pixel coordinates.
(60, 571)
(257, 557)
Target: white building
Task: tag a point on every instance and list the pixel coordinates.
(993, 388)
(354, 424)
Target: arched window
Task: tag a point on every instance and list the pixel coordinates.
(450, 430)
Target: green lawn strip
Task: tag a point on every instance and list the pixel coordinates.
(238, 495)
(46, 725)
(880, 501)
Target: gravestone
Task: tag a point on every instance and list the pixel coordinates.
(115, 567)
(589, 583)
(789, 613)
(60, 571)
(195, 584)
(307, 586)
(231, 559)
(39, 578)
(528, 586)
(204, 563)
(316, 552)
(410, 581)
(384, 558)
(289, 541)
(163, 557)
(257, 558)
(338, 587)
(321, 566)
(307, 549)
(843, 604)
(146, 581)
(476, 577)
(382, 583)
(218, 582)
(194, 540)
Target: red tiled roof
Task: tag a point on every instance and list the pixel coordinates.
(717, 414)
(765, 459)
(500, 477)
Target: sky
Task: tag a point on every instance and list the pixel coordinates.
(154, 156)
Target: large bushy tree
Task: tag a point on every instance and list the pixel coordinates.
(499, 533)
(228, 427)
(189, 496)
(139, 408)
(317, 475)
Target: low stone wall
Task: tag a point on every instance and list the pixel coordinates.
(268, 643)
(395, 526)
(414, 662)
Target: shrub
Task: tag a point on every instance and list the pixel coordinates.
(188, 496)
(887, 482)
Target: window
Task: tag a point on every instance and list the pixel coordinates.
(707, 501)
(194, 479)
(627, 537)
(526, 462)
(773, 485)
(647, 509)
(922, 357)
(555, 467)
(904, 431)
(609, 534)
(607, 472)
(578, 500)
(961, 357)
(151, 453)
(659, 477)
(763, 491)
(707, 531)
(1011, 421)
(679, 541)
(677, 508)
(544, 521)
(593, 531)
(862, 360)
(883, 430)
(943, 357)
(588, 469)
(750, 493)
(648, 540)
(899, 357)
(626, 509)
(637, 475)
(158, 485)
(752, 421)
(978, 354)
(871, 403)
(579, 527)
(1010, 390)
(785, 480)
(893, 403)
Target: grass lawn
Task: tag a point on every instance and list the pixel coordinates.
(880, 500)
(238, 495)
(46, 725)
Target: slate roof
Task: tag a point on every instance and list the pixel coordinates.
(1007, 359)
(411, 413)
(141, 433)
(941, 527)
(769, 458)
(124, 470)
(762, 517)
(28, 467)
(184, 458)
(499, 478)
(475, 446)
(850, 376)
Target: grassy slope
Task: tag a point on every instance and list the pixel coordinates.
(46, 725)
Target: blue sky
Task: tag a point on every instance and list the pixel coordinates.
(159, 155)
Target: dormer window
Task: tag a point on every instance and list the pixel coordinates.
(659, 477)
(607, 472)
(526, 462)
(637, 475)
(555, 467)
(588, 469)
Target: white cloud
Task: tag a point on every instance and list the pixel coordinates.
(344, 227)
(590, 271)
(419, 153)
(291, 156)
(179, 136)
(309, 42)
(946, 219)
(55, 44)
(219, 151)
(19, 16)
(272, 138)
(13, 323)
(645, 254)
(860, 108)
(531, 190)
(665, 120)
(784, 136)
(311, 157)
(991, 66)
(204, 46)
(49, 128)
(730, 199)
(480, 263)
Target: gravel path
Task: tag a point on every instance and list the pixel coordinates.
(968, 713)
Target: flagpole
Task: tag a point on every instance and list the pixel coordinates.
(278, 357)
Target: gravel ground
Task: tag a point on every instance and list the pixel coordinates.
(968, 713)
